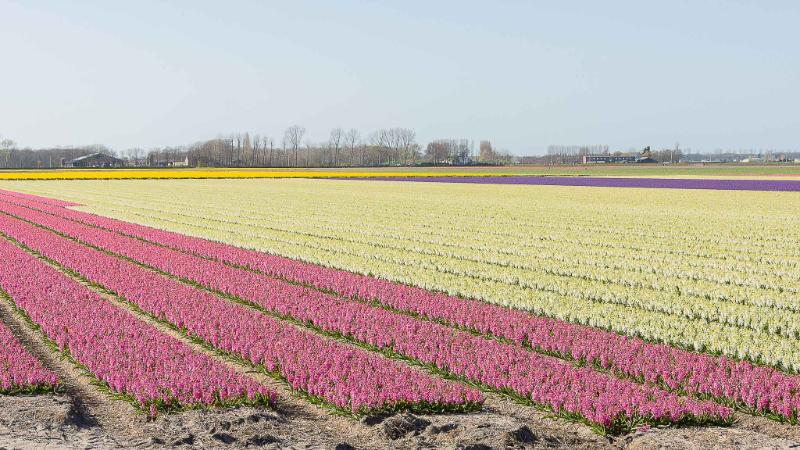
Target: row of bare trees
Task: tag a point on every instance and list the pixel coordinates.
(344, 148)
(573, 154)
(449, 151)
(12, 157)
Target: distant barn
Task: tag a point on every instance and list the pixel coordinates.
(616, 159)
(608, 159)
(95, 160)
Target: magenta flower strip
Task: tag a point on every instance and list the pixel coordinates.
(542, 379)
(21, 196)
(344, 376)
(738, 383)
(153, 370)
(21, 372)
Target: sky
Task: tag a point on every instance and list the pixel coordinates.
(523, 74)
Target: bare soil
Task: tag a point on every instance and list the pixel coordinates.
(54, 421)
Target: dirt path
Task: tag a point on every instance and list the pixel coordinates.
(79, 412)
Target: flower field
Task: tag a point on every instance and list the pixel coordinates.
(526, 373)
(156, 174)
(659, 183)
(19, 370)
(304, 359)
(600, 170)
(615, 307)
(132, 358)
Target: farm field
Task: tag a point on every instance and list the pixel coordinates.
(683, 182)
(626, 170)
(594, 316)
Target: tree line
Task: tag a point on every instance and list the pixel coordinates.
(343, 148)
(12, 157)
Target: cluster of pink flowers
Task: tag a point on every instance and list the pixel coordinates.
(550, 381)
(36, 199)
(759, 388)
(342, 375)
(132, 357)
(19, 370)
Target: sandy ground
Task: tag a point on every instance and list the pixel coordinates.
(57, 421)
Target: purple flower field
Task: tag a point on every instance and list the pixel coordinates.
(658, 183)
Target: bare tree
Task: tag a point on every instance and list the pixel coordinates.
(294, 138)
(268, 143)
(7, 145)
(255, 153)
(382, 141)
(285, 151)
(393, 137)
(247, 150)
(351, 141)
(486, 154)
(335, 143)
(135, 155)
(309, 151)
(405, 143)
(449, 151)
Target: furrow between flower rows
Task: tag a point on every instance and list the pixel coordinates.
(346, 377)
(549, 381)
(21, 372)
(751, 387)
(152, 370)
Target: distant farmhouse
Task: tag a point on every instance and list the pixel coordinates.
(171, 163)
(644, 158)
(608, 159)
(94, 160)
(616, 159)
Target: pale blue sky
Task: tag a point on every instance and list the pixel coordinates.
(709, 74)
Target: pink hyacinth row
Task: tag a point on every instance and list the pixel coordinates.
(342, 375)
(19, 370)
(546, 380)
(763, 389)
(131, 356)
(37, 199)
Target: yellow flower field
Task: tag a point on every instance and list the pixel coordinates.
(106, 174)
